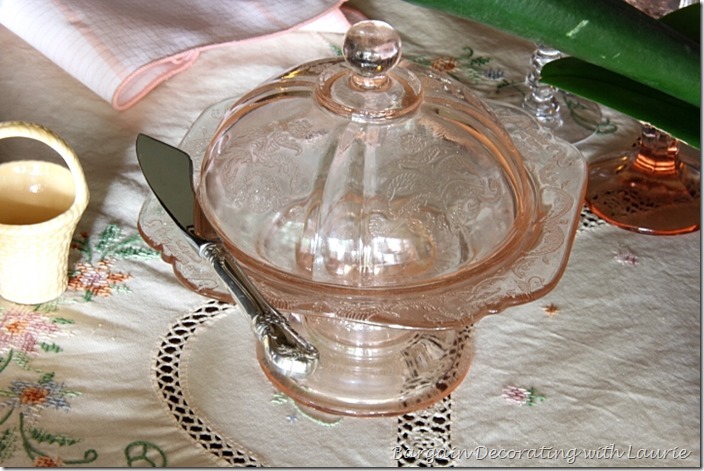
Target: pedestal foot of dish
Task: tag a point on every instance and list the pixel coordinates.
(368, 370)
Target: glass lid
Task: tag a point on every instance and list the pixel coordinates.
(366, 173)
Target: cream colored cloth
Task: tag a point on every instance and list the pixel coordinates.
(154, 373)
(123, 49)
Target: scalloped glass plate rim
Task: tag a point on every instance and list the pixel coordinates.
(162, 234)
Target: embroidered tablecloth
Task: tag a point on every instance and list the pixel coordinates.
(131, 368)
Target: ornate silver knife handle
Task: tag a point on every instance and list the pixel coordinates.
(284, 348)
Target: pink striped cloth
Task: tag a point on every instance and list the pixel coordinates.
(123, 49)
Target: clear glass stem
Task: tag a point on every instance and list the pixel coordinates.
(541, 100)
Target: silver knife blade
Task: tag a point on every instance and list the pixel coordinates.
(168, 171)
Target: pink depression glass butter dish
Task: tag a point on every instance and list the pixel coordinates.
(385, 208)
(369, 197)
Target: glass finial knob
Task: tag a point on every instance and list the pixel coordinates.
(371, 48)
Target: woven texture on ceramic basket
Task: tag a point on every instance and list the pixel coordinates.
(34, 257)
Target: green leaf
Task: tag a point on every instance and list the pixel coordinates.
(685, 21)
(8, 444)
(609, 33)
(47, 378)
(679, 119)
(50, 347)
(42, 436)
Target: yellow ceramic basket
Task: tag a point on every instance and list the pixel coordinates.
(40, 205)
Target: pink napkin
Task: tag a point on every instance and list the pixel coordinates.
(122, 49)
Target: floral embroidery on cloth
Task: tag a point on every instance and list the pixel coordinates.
(478, 72)
(626, 257)
(472, 68)
(95, 276)
(27, 332)
(22, 331)
(521, 396)
(26, 400)
(551, 309)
